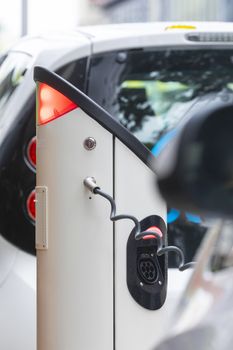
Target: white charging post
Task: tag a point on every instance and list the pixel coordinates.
(83, 298)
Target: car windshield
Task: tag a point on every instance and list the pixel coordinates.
(12, 69)
(150, 91)
(160, 87)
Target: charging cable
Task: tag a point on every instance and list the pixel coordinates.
(92, 186)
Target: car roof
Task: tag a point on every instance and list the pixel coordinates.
(135, 29)
(32, 45)
(55, 49)
(117, 32)
(116, 36)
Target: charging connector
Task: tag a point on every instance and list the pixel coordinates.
(91, 184)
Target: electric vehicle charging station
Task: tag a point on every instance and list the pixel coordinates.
(91, 44)
(102, 281)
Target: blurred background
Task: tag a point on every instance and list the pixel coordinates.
(23, 17)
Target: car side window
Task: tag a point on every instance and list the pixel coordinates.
(75, 73)
(13, 67)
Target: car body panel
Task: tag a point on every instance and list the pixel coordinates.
(120, 37)
(17, 298)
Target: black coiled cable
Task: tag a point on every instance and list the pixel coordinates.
(140, 234)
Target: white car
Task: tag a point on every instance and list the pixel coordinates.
(147, 76)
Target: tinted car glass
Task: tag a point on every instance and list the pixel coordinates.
(149, 92)
(12, 71)
(75, 73)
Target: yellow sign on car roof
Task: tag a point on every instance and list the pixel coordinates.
(181, 26)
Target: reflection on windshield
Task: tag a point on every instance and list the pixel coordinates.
(154, 99)
(167, 101)
(151, 109)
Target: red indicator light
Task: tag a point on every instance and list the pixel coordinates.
(31, 206)
(52, 104)
(153, 229)
(31, 151)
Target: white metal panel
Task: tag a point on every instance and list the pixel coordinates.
(75, 274)
(135, 194)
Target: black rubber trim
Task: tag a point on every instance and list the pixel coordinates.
(95, 112)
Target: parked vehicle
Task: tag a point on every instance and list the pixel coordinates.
(146, 75)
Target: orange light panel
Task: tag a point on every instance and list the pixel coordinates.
(51, 104)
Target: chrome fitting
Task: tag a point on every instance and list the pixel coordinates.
(90, 183)
(89, 143)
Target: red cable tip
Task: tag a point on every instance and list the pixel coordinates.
(154, 229)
